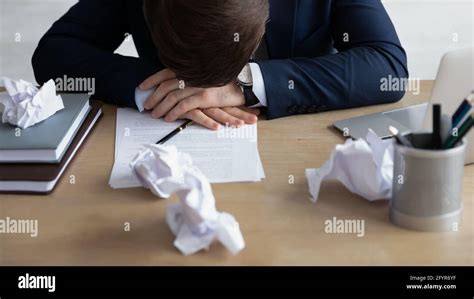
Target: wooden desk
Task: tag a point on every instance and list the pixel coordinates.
(83, 224)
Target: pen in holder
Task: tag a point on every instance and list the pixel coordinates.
(427, 185)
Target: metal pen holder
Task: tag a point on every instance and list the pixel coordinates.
(427, 185)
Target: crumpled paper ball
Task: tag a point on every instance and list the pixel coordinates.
(194, 221)
(363, 166)
(23, 105)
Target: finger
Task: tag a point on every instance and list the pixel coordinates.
(223, 117)
(155, 79)
(202, 119)
(160, 93)
(254, 111)
(184, 106)
(172, 100)
(247, 117)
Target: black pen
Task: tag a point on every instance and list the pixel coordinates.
(436, 126)
(175, 132)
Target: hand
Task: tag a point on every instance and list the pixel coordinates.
(211, 117)
(173, 100)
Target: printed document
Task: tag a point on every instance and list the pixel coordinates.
(224, 156)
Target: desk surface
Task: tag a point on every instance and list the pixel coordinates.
(83, 223)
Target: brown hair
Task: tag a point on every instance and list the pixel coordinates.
(206, 42)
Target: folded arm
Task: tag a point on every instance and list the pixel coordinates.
(368, 50)
(81, 45)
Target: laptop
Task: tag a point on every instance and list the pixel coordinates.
(455, 81)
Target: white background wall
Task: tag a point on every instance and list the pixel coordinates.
(427, 28)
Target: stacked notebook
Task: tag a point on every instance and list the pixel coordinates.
(33, 160)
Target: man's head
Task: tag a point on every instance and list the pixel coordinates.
(206, 42)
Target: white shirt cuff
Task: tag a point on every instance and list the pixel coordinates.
(141, 96)
(258, 85)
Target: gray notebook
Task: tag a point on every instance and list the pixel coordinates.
(47, 141)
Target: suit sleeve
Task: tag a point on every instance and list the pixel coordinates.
(81, 44)
(368, 50)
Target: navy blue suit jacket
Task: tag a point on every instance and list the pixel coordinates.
(324, 54)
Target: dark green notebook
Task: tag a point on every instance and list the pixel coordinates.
(47, 141)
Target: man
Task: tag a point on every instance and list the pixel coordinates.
(195, 57)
